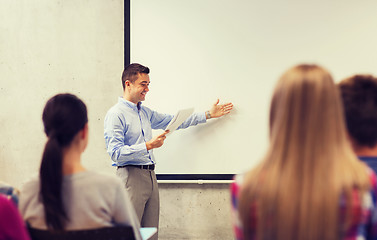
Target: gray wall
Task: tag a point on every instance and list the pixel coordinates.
(195, 211)
(52, 46)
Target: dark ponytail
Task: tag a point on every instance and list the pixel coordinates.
(63, 117)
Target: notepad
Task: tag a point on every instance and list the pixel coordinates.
(179, 118)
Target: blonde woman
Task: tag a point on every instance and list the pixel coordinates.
(309, 185)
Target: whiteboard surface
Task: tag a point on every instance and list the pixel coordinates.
(236, 51)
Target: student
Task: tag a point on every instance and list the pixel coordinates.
(129, 141)
(10, 192)
(310, 184)
(66, 196)
(11, 225)
(359, 94)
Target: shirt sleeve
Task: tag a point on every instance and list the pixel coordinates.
(161, 121)
(193, 120)
(114, 138)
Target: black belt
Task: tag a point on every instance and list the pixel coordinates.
(148, 167)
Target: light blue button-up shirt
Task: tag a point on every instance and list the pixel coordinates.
(129, 126)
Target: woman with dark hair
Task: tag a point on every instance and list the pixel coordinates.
(66, 196)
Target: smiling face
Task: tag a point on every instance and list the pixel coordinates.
(135, 92)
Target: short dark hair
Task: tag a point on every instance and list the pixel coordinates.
(359, 94)
(132, 71)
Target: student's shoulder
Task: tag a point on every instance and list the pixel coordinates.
(3, 200)
(237, 183)
(372, 183)
(239, 179)
(28, 191)
(102, 178)
(6, 205)
(106, 184)
(30, 184)
(372, 177)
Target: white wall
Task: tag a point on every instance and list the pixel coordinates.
(49, 47)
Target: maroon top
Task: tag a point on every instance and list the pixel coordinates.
(12, 227)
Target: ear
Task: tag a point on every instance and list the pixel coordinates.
(127, 83)
(84, 132)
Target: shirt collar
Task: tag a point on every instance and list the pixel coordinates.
(130, 104)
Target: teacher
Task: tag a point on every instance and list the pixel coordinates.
(129, 142)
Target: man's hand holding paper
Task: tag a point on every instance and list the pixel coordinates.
(179, 118)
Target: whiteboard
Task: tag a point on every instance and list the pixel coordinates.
(201, 50)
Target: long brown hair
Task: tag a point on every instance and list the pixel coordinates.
(63, 117)
(296, 189)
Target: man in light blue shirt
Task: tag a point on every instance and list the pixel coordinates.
(130, 144)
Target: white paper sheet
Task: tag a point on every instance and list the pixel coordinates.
(147, 232)
(179, 118)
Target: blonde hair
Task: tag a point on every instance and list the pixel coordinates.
(296, 189)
